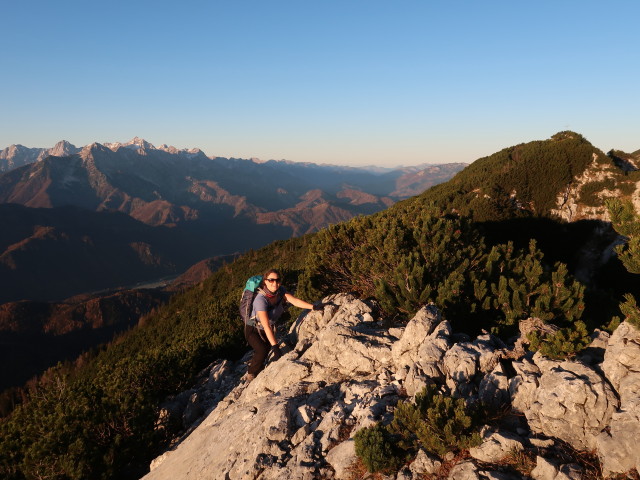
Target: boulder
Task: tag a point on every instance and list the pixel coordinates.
(432, 351)
(496, 445)
(425, 464)
(374, 406)
(405, 350)
(547, 470)
(460, 364)
(572, 403)
(622, 355)
(416, 380)
(418, 354)
(594, 353)
(304, 331)
(523, 385)
(489, 349)
(464, 471)
(617, 447)
(494, 388)
(341, 457)
(350, 344)
(278, 375)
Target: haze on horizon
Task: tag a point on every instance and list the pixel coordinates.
(353, 83)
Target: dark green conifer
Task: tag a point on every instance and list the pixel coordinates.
(626, 222)
(377, 450)
(436, 423)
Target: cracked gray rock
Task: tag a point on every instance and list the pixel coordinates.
(572, 403)
(617, 447)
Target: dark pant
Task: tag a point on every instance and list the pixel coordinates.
(260, 347)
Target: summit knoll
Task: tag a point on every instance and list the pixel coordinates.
(562, 177)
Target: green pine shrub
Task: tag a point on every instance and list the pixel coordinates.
(421, 255)
(626, 187)
(631, 310)
(589, 192)
(564, 343)
(519, 286)
(377, 450)
(400, 259)
(626, 222)
(436, 423)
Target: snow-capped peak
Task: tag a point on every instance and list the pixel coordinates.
(63, 148)
(135, 143)
(141, 142)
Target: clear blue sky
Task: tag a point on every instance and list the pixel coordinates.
(344, 82)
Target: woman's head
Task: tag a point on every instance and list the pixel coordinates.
(272, 280)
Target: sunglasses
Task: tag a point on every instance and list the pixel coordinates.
(272, 280)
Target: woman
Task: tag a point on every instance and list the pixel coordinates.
(268, 305)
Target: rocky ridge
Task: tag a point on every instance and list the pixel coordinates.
(570, 206)
(186, 189)
(344, 371)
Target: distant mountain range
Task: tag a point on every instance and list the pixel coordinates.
(101, 216)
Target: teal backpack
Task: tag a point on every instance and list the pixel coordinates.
(249, 293)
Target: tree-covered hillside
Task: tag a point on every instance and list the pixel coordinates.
(95, 418)
(520, 181)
